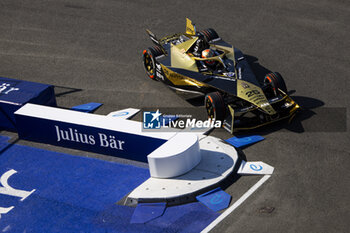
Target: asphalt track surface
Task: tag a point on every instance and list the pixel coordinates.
(91, 52)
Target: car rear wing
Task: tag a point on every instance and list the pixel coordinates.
(156, 41)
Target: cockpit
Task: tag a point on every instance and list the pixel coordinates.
(188, 54)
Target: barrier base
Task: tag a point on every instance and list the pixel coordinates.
(218, 162)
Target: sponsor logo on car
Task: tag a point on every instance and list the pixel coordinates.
(159, 72)
(239, 73)
(244, 85)
(225, 78)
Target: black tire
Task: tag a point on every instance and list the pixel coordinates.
(215, 106)
(276, 81)
(209, 34)
(148, 57)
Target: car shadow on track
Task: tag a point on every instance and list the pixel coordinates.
(307, 110)
(302, 121)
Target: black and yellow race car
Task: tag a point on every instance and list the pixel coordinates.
(201, 63)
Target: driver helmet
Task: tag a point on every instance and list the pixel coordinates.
(207, 53)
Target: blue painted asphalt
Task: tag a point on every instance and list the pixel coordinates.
(78, 194)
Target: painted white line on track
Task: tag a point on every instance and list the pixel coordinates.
(236, 204)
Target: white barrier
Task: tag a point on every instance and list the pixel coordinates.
(169, 154)
(175, 157)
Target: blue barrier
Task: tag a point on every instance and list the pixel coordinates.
(243, 141)
(146, 212)
(86, 131)
(15, 93)
(89, 107)
(215, 199)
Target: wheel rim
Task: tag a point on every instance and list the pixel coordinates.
(148, 63)
(210, 108)
(271, 80)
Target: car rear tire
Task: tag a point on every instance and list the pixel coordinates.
(148, 57)
(276, 81)
(209, 34)
(215, 106)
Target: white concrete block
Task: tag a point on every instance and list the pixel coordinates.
(175, 157)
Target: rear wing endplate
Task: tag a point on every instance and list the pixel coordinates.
(190, 27)
(155, 40)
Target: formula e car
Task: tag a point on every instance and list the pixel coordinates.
(232, 92)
